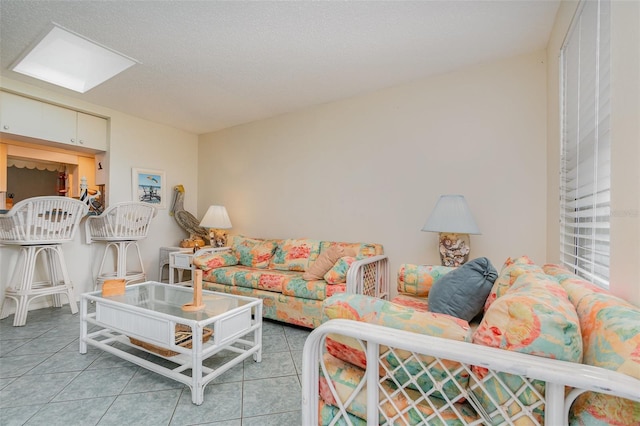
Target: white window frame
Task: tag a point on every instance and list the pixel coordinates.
(585, 169)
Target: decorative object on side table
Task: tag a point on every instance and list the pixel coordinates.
(451, 217)
(192, 243)
(216, 218)
(197, 304)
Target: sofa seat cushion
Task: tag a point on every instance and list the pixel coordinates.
(296, 286)
(346, 377)
(295, 254)
(289, 283)
(417, 303)
(221, 275)
(263, 279)
(534, 317)
(381, 312)
(243, 276)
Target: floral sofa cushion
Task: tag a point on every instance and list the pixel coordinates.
(611, 336)
(345, 378)
(289, 283)
(414, 283)
(534, 316)
(381, 312)
(338, 273)
(252, 252)
(295, 255)
(510, 271)
(416, 280)
(360, 249)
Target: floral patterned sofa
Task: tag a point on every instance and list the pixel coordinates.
(293, 277)
(547, 348)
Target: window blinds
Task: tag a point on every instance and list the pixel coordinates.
(586, 143)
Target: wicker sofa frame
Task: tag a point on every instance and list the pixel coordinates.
(376, 341)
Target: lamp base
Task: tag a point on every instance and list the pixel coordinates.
(454, 249)
(217, 237)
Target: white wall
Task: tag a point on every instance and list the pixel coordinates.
(133, 143)
(371, 168)
(625, 144)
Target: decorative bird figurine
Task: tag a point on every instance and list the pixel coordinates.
(186, 220)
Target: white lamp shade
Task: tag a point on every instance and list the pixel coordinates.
(451, 214)
(216, 217)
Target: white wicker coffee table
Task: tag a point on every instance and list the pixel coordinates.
(148, 314)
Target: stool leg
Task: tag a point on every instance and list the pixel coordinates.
(18, 272)
(24, 287)
(121, 269)
(67, 281)
(100, 278)
(144, 275)
(53, 274)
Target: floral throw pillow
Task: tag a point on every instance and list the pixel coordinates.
(338, 273)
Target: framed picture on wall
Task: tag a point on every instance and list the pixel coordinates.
(149, 186)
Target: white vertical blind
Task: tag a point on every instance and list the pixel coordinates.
(586, 144)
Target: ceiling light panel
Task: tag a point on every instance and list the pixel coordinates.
(66, 59)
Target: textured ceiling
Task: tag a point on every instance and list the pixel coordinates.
(208, 65)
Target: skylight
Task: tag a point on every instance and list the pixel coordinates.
(66, 59)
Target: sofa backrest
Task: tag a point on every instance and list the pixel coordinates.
(610, 326)
(294, 254)
(361, 249)
(610, 329)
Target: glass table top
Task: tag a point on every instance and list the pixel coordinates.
(168, 299)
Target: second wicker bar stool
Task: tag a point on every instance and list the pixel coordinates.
(121, 226)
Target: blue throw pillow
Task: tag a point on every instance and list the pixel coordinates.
(462, 292)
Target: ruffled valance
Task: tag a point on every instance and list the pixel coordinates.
(31, 164)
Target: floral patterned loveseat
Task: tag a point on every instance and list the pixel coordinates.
(293, 277)
(549, 348)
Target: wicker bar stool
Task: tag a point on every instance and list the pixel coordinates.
(40, 225)
(121, 226)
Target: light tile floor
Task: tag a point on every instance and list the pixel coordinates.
(44, 380)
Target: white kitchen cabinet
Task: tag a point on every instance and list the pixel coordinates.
(40, 120)
(57, 124)
(19, 115)
(91, 131)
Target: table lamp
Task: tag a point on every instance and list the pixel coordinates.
(216, 218)
(452, 218)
